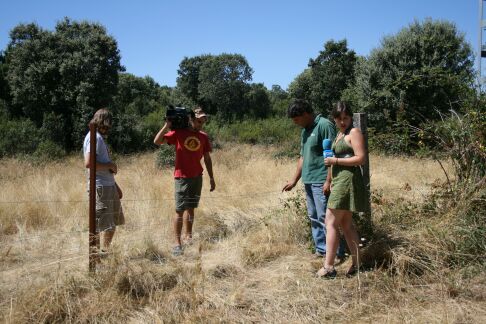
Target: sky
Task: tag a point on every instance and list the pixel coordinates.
(277, 37)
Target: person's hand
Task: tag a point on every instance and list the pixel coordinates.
(212, 184)
(113, 168)
(330, 161)
(326, 188)
(168, 124)
(289, 186)
(118, 189)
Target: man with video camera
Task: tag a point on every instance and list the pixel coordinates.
(182, 128)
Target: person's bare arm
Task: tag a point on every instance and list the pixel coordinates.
(118, 189)
(209, 168)
(298, 172)
(159, 138)
(326, 188)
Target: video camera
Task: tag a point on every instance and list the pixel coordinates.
(178, 116)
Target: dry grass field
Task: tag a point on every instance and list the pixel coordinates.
(250, 261)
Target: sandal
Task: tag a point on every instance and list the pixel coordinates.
(352, 270)
(177, 250)
(326, 273)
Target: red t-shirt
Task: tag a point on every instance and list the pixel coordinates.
(190, 148)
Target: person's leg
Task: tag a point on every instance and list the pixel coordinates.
(106, 208)
(318, 226)
(177, 227)
(108, 238)
(351, 235)
(312, 214)
(333, 219)
(188, 221)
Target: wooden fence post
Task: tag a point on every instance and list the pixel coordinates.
(360, 121)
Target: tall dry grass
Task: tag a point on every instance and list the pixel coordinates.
(250, 262)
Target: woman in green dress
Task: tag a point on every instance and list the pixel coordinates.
(348, 192)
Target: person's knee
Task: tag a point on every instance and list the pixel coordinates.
(331, 221)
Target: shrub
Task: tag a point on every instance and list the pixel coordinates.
(18, 136)
(48, 150)
(165, 157)
(262, 131)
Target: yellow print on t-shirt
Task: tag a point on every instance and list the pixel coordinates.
(192, 143)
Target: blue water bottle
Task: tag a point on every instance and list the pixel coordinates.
(326, 148)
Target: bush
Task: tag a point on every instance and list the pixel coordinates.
(18, 137)
(462, 139)
(261, 131)
(394, 141)
(165, 157)
(48, 150)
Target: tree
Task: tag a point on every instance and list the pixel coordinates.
(277, 93)
(300, 88)
(218, 83)
(62, 75)
(188, 76)
(4, 89)
(258, 101)
(138, 96)
(414, 76)
(332, 71)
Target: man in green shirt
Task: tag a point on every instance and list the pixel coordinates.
(311, 168)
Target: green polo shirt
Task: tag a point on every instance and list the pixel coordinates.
(313, 168)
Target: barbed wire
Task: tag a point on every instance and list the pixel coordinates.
(138, 228)
(253, 194)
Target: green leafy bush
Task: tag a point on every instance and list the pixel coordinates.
(18, 137)
(47, 151)
(261, 131)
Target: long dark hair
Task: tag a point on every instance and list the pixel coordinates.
(341, 107)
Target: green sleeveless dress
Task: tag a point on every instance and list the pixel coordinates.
(348, 191)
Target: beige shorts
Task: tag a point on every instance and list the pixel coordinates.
(109, 212)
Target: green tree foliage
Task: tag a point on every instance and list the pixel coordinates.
(332, 71)
(279, 100)
(223, 84)
(258, 101)
(219, 83)
(4, 89)
(65, 74)
(301, 87)
(137, 98)
(424, 70)
(188, 77)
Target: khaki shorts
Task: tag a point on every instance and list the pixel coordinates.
(187, 193)
(109, 212)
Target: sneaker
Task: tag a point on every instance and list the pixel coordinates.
(319, 254)
(177, 250)
(326, 273)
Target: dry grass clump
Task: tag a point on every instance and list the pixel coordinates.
(223, 271)
(211, 228)
(143, 279)
(75, 299)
